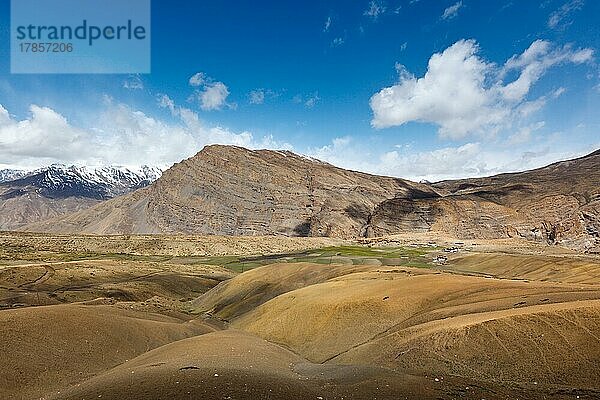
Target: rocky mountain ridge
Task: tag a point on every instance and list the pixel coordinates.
(234, 191)
(9, 174)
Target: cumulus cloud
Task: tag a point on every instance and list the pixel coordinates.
(4, 116)
(211, 94)
(452, 11)
(45, 134)
(120, 135)
(561, 15)
(375, 9)
(429, 165)
(464, 94)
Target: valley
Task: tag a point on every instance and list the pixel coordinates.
(403, 316)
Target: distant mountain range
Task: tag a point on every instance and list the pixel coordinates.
(229, 190)
(28, 196)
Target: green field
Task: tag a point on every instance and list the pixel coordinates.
(356, 255)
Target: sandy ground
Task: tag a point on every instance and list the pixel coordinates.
(46, 348)
(173, 245)
(494, 321)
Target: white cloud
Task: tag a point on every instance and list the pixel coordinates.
(214, 96)
(468, 160)
(165, 101)
(464, 94)
(403, 46)
(211, 94)
(534, 62)
(451, 94)
(452, 11)
(430, 165)
(375, 9)
(523, 135)
(134, 82)
(45, 133)
(257, 96)
(312, 100)
(327, 24)
(197, 79)
(528, 108)
(531, 107)
(4, 116)
(560, 15)
(120, 135)
(309, 101)
(558, 92)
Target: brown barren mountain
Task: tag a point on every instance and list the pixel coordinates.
(233, 191)
(229, 190)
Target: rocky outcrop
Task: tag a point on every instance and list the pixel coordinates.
(557, 204)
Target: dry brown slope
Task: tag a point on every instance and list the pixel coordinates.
(48, 348)
(247, 291)
(37, 284)
(18, 208)
(558, 268)
(235, 365)
(404, 318)
(355, 308)
(546, 345)
(211, 366)
(122, 215)
(557, 204)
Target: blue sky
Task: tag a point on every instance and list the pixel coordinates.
(422, 89)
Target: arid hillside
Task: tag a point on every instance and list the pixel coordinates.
(154, 317)
(559, 203)
(227, 190)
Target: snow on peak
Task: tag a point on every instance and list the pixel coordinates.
(96, 182)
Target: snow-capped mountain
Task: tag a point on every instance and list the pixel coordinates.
(29, 196)
(7, 175)
(60, 181)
